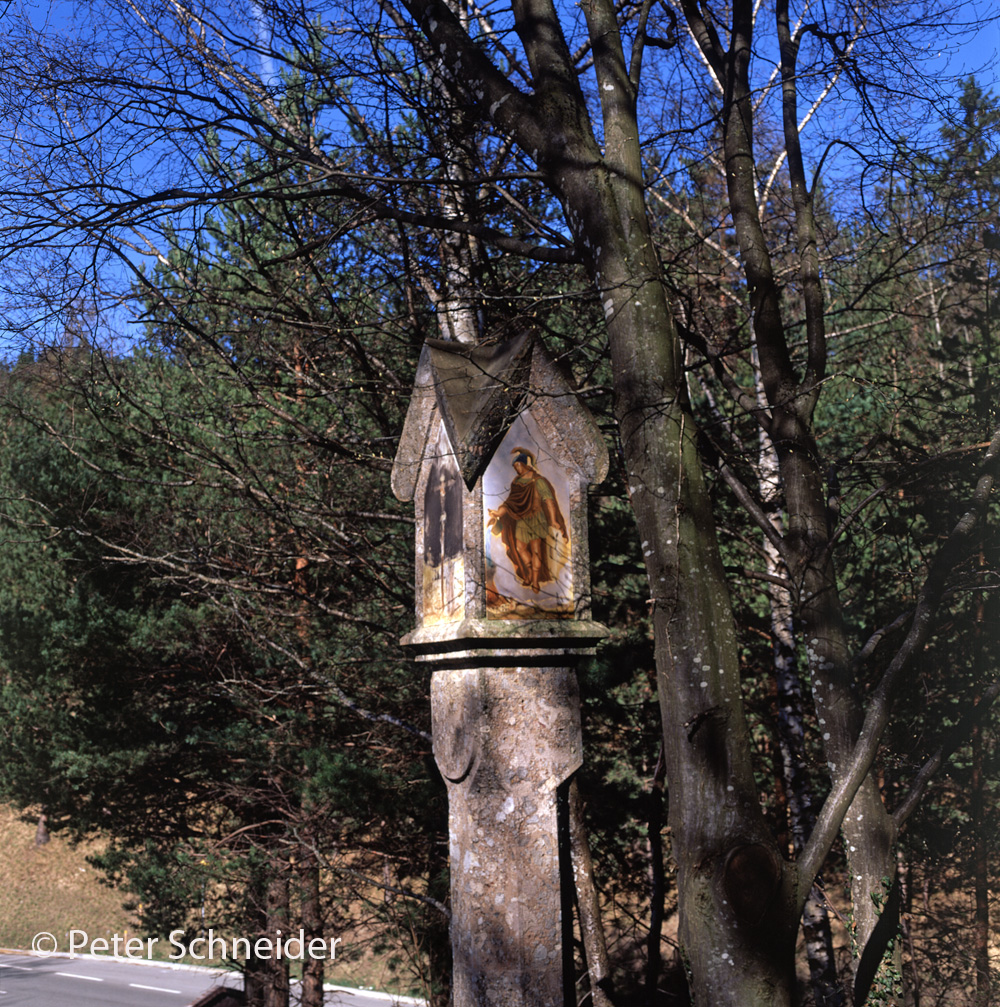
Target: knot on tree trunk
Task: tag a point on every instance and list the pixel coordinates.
(751, 876)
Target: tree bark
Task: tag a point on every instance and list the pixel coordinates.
(255, 970)
(313, 969)
(595, 947)
(791, 736)
(277, 989)
(977, 812)
(657, 883)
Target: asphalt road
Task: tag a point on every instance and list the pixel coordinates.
(29, 981)
(26, 981)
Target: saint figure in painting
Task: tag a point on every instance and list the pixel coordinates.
(523, 521)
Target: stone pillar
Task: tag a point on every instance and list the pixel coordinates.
(506, 741)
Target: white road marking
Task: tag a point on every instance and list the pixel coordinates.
(158, 989)
(22, 968)
(76, 975)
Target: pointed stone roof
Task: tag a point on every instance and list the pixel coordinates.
(479, 392)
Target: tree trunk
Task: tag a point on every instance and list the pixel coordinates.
(980, 838)
(313, 969)
(816, 932)
(277, 989)
(595, 948)
(738, 897)
(255, 970)
(980, 875)
(868, 831)
(657, 883)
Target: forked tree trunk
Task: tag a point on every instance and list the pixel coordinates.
(792, 396)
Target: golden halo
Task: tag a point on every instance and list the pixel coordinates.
(525, 451)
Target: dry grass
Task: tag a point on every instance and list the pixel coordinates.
(52, 888)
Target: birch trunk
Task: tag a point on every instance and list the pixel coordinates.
(818, 937)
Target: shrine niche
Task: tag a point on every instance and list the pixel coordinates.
(528, 547)
(497, 453)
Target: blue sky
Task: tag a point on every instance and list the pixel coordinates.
(971, 57)
(979, 53)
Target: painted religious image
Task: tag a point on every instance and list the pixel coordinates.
(528, 548)
(444, 561)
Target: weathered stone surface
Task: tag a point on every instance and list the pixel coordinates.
(506, 740)
(493, 638)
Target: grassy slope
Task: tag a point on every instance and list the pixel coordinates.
(52, 888)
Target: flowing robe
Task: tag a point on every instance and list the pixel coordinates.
(525, 520)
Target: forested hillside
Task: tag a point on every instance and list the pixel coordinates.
(767, 259)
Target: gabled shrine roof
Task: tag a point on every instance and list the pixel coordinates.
(479, 390)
